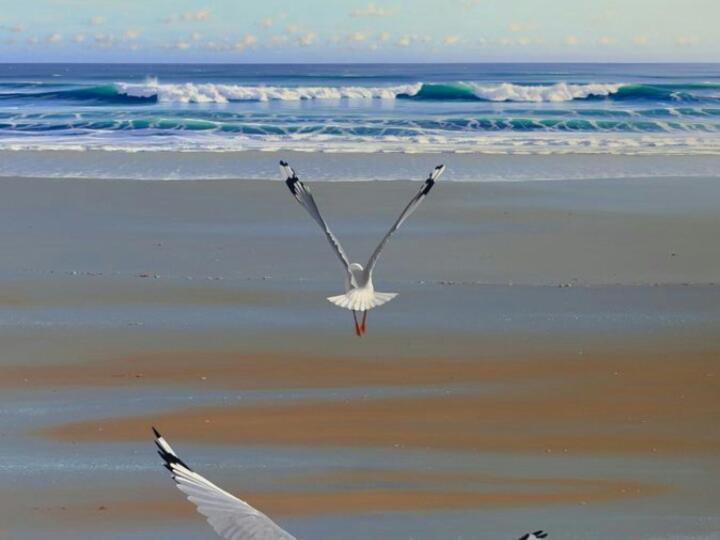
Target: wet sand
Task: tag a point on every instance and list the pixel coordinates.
(552, 359)
(664, 403)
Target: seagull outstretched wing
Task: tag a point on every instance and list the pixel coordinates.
(302, 193)
(409, 209)
(231, 518)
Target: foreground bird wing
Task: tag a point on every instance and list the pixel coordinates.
(231, 518)
(302, 193)
(409, 209)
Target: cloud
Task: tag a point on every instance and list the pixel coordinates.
(572, 41)
(357, 36)
(182, 45)
(307, 39)
(384, 36)
(451, 40)
(405, 41)
(196, 36)
(105, 41)
(33, 40)
(640, 40)
(131, 34)
(267, 22)
(188, 16)
(292, 28)
(516, 27)
(606, 40)
(247, 40)
(55, 37)
(97, 20)
(79, 38)
(686, 41)
(15, 28)
(373, 10)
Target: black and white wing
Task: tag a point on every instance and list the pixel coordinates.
(409, 209)
(534, 535)
(302, 193)
(231, 518)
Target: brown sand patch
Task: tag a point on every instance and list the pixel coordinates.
(477, 492)
(596, 406)
(657, 364)
(227, 369)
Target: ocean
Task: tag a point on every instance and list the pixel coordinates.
(84, 119)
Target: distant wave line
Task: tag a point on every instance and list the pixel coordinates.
(152, 91)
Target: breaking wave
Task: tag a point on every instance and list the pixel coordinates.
(152, 91)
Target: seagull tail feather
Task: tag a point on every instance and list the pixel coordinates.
(361, 300)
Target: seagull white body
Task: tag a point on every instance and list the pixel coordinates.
(230, 517)
(360, 294)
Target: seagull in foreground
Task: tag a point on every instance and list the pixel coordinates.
(360, 295)
(230, 517)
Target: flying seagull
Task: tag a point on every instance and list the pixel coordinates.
(232, 518)
(360, 295)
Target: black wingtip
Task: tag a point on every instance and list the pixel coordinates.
(429, 183)
(156, 432)
(283, 163)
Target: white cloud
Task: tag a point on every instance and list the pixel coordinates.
(405, 41)
(572, 41)
(373, 10)
(33, 40)
(182, 45)
(307, 39)
(278, 39)
(131, 34)
(267, 22)
(97, 20)
(196, 36)
(640, 40)
(451, 40)
(686, 41)
(79, 38)
(55, 37)
(248, 40)
(357, 36)
(384, 36)
(292, 28)
(606, 40)
(105, 41)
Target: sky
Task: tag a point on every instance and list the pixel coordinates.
(359, 31)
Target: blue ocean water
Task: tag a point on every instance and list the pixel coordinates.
(449, 107)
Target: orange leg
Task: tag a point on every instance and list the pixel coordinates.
(364, 321)
(357, 326)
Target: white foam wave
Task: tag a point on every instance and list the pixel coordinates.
(541, 93)
(222, 93)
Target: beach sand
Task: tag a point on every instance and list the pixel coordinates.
(551, 361)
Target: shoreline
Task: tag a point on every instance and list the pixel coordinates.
(149, 165)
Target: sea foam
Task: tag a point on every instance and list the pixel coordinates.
(223, 93)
